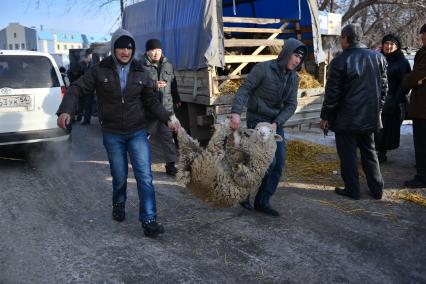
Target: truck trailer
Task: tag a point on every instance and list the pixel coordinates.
(214, 43)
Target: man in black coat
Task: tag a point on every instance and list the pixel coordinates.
(354, 96)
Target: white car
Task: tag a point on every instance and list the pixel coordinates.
(31, 89)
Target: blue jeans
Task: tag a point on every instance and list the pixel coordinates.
(273, 175)
(136, 144)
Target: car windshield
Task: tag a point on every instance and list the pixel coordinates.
(26, 71)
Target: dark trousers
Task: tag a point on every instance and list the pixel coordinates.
(419, 137)
(163, 136)
(347, 145)
(87, 107)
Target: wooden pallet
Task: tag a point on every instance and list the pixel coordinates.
(200, 88)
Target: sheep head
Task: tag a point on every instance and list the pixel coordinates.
(265, 132)
(173, 118)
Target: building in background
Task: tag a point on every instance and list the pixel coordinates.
(56, 42)
(16, 36)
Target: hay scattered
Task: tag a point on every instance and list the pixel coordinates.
(412, 196)
(355, 210)
(230, 87)
(307, 81)
(311, 162)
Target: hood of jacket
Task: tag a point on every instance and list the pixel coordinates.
(115, 36)
(290, 46)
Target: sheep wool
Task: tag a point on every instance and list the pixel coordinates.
(232, 165)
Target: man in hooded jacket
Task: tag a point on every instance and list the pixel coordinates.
(270, 93)
(124, 91)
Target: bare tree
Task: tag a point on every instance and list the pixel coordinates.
(91, 6)
(379, 17)
(103, 3)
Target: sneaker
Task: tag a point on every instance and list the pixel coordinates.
(171, 169)
(152, 229)
(118, 212)
(415, 183)
(344, 192)
(268, 210)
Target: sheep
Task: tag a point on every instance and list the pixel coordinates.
(260, 148)
(231, 166)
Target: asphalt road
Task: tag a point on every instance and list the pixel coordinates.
(56, 227)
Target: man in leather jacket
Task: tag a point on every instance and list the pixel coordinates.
(354, 96)
(124, 91)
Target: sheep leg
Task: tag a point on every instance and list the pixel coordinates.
(216, 143)
(189, 150)
(187, 142)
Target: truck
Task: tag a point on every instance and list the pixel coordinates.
(213, 45)
(76, 55)
(61, 59)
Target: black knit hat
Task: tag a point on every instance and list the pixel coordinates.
(393, 38)
(124, 42)
(152, 44)
(300, 50)
(423, 29)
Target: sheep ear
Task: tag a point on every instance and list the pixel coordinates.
(249, 131)
(173, 118)
(278, 138)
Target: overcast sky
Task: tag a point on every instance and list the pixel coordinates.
(83, 16)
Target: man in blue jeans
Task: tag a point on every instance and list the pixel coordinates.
(270, 93)
(124, 91)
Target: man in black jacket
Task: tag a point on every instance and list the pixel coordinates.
(354, 96)
(165, 88)
(123, 90)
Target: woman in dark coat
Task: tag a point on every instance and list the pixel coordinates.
(394, 109)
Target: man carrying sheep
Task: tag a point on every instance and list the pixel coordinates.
(270, 93)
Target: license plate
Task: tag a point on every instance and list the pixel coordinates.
(15, 101)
